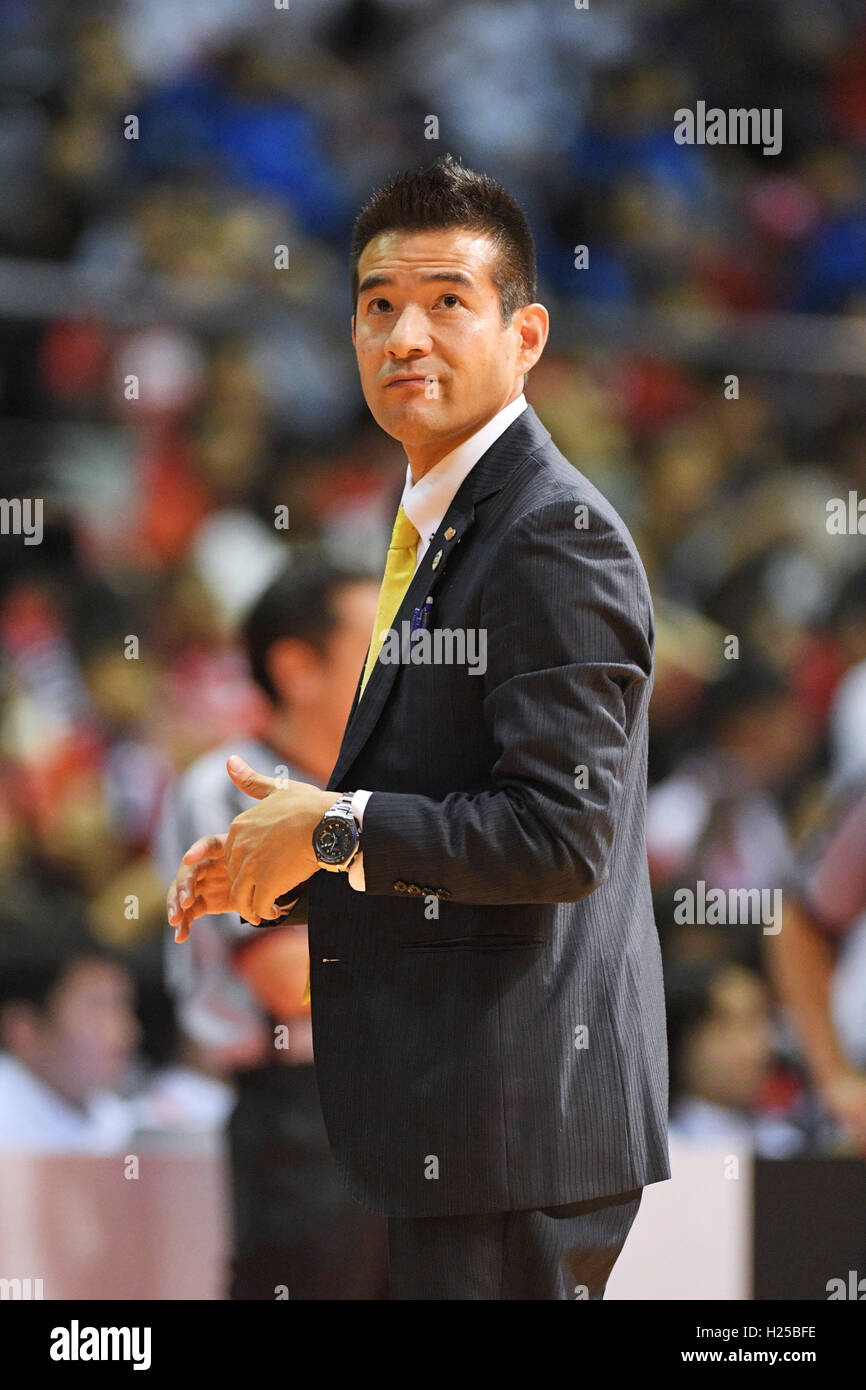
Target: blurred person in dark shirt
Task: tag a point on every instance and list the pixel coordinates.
(847, 713)
(719, 816)
(238, 990)
(823, 937)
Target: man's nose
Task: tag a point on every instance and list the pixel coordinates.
(410, 334)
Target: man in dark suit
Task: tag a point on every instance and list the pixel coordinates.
(488, 1015)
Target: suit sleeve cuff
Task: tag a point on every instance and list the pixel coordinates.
(356, 868)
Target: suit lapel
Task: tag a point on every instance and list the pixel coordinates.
(525, 435)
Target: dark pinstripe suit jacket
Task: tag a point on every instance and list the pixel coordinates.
(510, 1051)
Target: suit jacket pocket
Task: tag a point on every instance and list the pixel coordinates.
(477, 943)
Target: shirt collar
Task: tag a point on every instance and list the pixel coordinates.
(426, 502)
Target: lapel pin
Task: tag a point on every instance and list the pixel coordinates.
(436, 558)
(450, 533)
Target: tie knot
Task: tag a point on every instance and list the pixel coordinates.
(405, 534)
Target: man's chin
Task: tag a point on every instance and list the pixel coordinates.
(413, 422)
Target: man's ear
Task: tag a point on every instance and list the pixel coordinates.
(295, 670)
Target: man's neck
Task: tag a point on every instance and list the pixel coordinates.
(422, 457)
(306, 749)
(75, 1099)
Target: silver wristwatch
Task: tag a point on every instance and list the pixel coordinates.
(337, 837)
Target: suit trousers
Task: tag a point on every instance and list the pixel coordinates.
(564, 1252)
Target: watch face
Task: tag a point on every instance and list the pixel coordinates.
(335, 840)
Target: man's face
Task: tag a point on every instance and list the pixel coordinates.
(730, 1052)
(345, 649)
(89, 1030)
(428, 308)
(319, 686)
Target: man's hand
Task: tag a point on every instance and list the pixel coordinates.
(268, 849)
(201, 885)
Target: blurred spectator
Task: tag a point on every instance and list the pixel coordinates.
(847, 716)
(717, 817)
(68, 1030)
(720, 1041)
(239, 989)
(819, 957)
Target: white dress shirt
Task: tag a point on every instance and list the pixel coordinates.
(34, 1118)
(425, 503)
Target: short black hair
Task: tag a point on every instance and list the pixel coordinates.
(445, 194)
(37, 953)
(746, 684)
(299, 603)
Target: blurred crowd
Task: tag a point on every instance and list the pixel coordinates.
(201, 425)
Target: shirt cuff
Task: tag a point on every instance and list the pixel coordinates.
(356, 868)
(275, 922)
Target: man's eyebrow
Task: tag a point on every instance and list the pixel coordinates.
(454, 277)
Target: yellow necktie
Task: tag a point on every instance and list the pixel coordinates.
(399, 569)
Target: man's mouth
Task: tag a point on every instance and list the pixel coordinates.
(406, 381)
